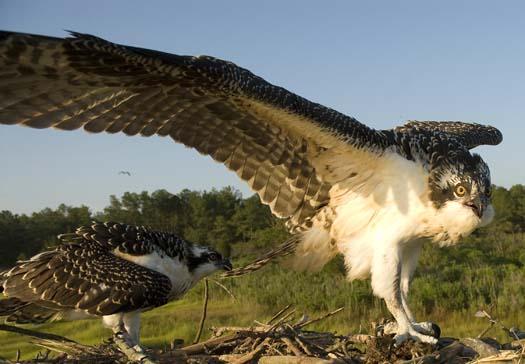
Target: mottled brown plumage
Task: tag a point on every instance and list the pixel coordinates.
(88, 274)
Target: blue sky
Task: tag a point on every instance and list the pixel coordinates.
(382, 62)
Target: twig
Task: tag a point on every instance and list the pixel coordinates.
(292, 347)
(251, 355)
(218, 331)
(279, 314)
(51, 341)
(204, 310)
(319, 318)
(361, 338)
(35, 334)
(303, 345)
(224, 288)
(281, 320)
(202, 347)
(487, 329)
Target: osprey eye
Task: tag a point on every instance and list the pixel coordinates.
(460, 190)
(213, 257)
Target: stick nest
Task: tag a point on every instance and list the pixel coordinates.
(284, 339)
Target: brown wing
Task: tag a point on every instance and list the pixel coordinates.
(85, 277)
(264, 133)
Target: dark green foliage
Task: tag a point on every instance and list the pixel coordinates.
(486, 270)
(22, 236)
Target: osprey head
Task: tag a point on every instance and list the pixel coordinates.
(460, 189)
(203, 261)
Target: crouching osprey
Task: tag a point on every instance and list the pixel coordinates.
(111, 270)
(372, 195)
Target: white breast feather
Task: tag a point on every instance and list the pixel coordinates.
(387, 202)
(178, 273)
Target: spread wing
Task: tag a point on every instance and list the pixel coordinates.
(278, 142)
(470, 135)
(86, 277)
(290, 151)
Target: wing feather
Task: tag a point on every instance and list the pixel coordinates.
(283, 145)
(86, 276)
(262, 132)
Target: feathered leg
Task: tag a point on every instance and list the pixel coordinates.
(386, 283)
(131, 322)
(410, 256)
(123, 339)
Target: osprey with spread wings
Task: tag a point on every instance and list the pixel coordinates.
(372, 195)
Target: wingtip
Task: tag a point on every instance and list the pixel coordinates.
(74, 34)
(498, 135)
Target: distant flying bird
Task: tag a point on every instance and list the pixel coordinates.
(372, 195)
(111, 270)
(125, 172)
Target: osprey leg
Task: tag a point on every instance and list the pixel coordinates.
(410, 256)
(386, 283)
(125, 340)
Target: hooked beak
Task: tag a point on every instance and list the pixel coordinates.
(226, 264)
(477, 206)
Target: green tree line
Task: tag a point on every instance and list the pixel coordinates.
(221, 218)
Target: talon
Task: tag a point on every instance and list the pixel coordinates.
(412, 334)
(428, 328)
(138, 349)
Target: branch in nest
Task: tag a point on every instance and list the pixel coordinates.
(204, 311)
(132, 354)
(301, 325)
(204, 346)
(252, 354)
(279, 314)
(51, 341)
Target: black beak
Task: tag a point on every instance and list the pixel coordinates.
(476, 206)
(226, 264)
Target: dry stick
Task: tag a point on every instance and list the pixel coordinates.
(261, 324)
(481, 334)
(50, 341)
(202, 347)
(224, 288)
(319, 318)
(35, 334)
(281, 320)
(279, 314)
(204, 309)
(252, 354)
(292, 347)
(218, 331)
(303, 345)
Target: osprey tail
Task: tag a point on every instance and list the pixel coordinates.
(315, 249)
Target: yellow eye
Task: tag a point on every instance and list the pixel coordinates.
(460, 190)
